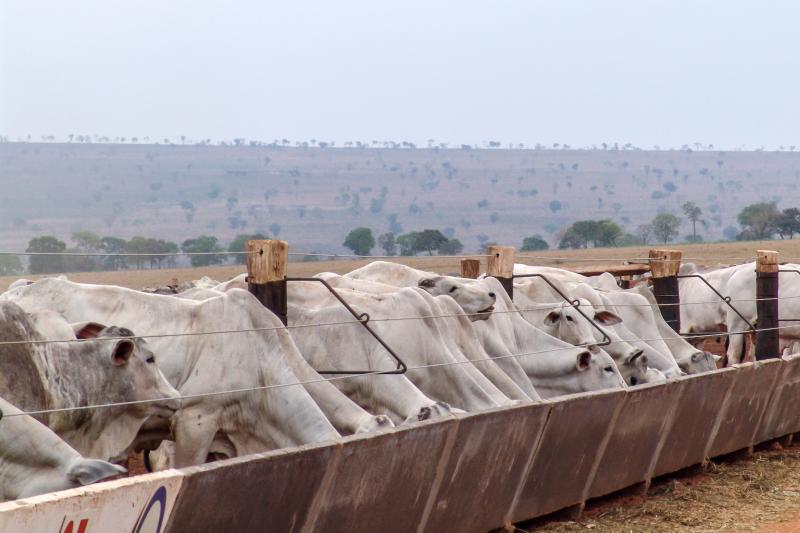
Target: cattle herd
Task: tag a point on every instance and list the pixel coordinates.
(91, 373)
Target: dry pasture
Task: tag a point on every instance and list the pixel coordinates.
(706, 255)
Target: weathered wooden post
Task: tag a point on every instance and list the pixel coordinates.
(266, 274)
(664, 267)
(501, 266)
(767, 273)
(470, 268)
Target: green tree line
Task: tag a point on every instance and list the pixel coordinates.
(89, 252)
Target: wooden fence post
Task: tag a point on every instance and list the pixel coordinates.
(501, 266)
(470, 268)
(664, 267)
(767, 275)
(266, 274)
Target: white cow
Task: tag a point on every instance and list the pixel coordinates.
(702, 311)
(741, 287)
(34, 460)
(396, 395)
(639, 309)
(448, 343)
(508, 365)
(474, 296)
(553, 367)
(689, 359)
(76, 375)
(543, 306)
(280, 413)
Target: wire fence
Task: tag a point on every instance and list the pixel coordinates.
(536, 307)
(222, 252)
(628, 260)
(361, 375)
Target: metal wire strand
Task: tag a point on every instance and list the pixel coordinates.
(305, 254)
(538, 307)
(351, 376)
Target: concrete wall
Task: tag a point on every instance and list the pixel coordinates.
(471, 472)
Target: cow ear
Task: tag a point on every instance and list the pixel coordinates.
(584, 358)
(607, 318)
(427, 283)
(122, 352)
(87, 330)
(552, 318)
(638, 359)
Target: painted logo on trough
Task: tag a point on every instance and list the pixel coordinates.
(78, 525)
(152, 517)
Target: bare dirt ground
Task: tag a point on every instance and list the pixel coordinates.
(761, 493)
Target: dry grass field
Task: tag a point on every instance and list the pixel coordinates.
(706, 255)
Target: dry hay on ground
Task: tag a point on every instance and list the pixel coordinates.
(761, 493)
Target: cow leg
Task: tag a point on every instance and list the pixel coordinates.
(399, 397)
(736, 342)
(194, 431)
(501, 380)
(735, 351)
(344, 414)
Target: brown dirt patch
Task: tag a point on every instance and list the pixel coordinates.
(757, 494)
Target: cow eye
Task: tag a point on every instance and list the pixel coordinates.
(151, 359)
(609, 368)
(569, 318)
(453, 289)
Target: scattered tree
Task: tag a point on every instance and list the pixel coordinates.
(360, 241)
(693, 213)
(788, 223)
(203, 244)
(534, 243)
(758, 221)
(10, 265)
(451, 247)
(429, 240)
(46, 264)
(114, 245)
(597, 232)
(665, 226)
(644, 231)
(388, 243)
(239, 244)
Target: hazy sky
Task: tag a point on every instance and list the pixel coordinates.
(576, 72)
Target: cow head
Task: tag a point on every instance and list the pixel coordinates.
(475, 298)
(567, 324)
(699, 362)
(596, 370)
(130, 370)
(635, 371)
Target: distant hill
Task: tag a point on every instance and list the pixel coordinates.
(313, 196)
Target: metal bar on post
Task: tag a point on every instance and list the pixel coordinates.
(470, 268)
(767, 276)
(501, 266)
(664, 267)
(266, 274)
